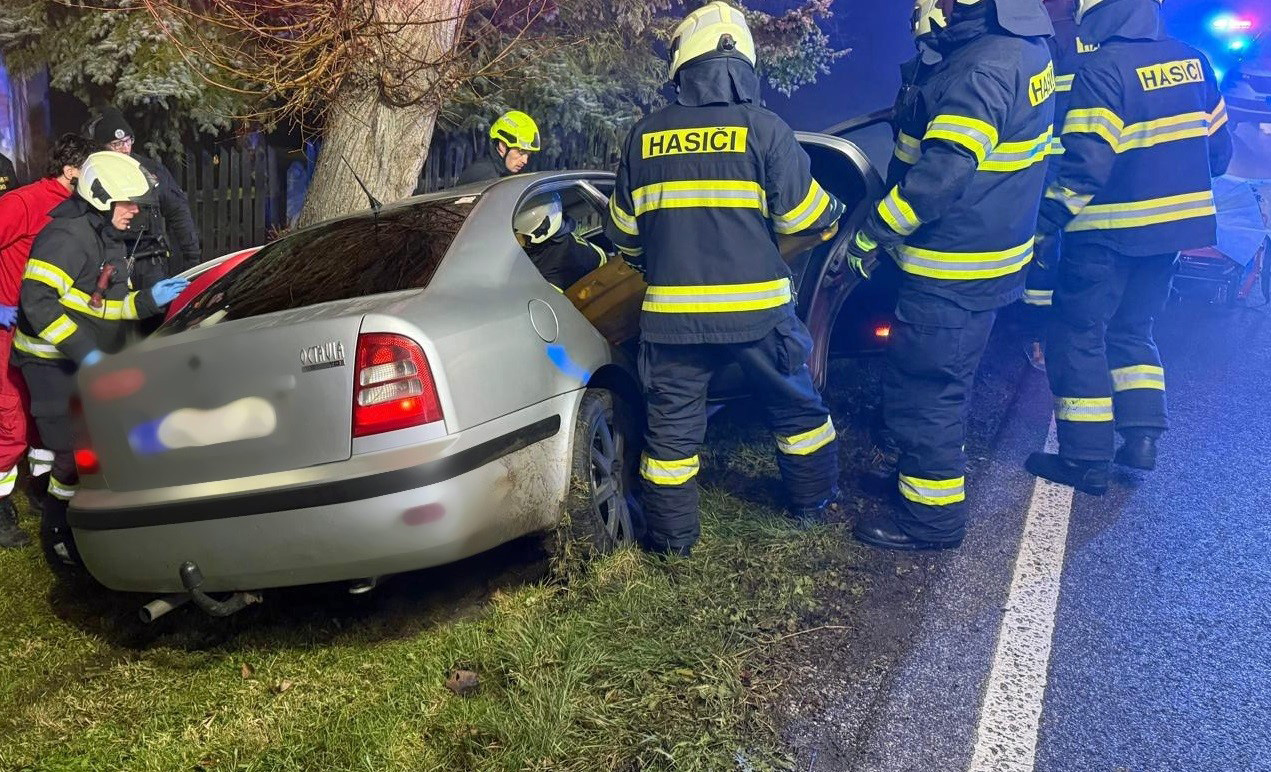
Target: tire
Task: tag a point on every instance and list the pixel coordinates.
(601, 510)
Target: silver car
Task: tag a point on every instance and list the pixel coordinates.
(381, 393)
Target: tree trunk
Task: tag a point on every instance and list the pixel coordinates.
(385, 144)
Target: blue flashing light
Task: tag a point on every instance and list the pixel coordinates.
(1237, 45)
(1227, 23)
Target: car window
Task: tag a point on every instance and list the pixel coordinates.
(576, 203)
(367, 254)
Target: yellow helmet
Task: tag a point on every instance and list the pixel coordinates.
(932, 15)
(107, 177)
(516, 129)
(714, 28)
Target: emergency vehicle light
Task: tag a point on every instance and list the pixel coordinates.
(1227, 22)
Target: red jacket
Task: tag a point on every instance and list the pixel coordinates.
(23, 213)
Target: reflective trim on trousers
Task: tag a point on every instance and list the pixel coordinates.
(35, 347)
(1083, 409)
(1138, 377)
(719, 298)
(669, 472)
(964, 265)
(1135, 214)
(60, 490)
(933, 493)
(7, 481)
(1039, 298)
(809, 442)
(40, 461)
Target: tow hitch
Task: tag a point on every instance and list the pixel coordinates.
(192, 579)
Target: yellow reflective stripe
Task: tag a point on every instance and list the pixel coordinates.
(684, 194)
(669, 472)
(1063, 83)
(806, 213)
(935, 264)
(1017, 156)
(973, 134)
(1135, 214)
(908, 149)
(1163, 130)
(130, 306)
(35, 347)
(933, 493)
(1138, 377)
(47, 273)
(1042, 298)
(77, 300)
(898, 213)
(1083, 409)
(625, 222)
(631, 251)
(1073, 201)
(60, 490)
(808, 442)
(1095, 120)
(1218, 118)
(718, 298)
(61, 329)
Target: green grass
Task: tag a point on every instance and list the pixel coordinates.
(635, 664)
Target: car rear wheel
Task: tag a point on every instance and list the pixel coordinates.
(601, 511)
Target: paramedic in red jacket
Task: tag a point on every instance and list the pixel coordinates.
(23, 213)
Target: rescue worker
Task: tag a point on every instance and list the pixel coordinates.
(1146, 130)
(8, 174)
(704, 186)
(76, 294)
(167, 242)
(1039, 287)
(23, 213)
(974, 134)
(548, 236)
(513, 139)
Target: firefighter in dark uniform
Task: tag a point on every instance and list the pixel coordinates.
(975, 129)
(549, 237)
(163, 238)
(76, 295)
(704, 186)
(1146, 131)
(514, 138)
(1039, 287)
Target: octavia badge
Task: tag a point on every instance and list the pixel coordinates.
(329, 354)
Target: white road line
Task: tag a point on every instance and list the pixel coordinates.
(1006, 737)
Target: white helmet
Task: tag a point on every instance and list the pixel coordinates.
(1085, 6)
(539, 221)
(715, 28)
(933, 15)
(107, 177)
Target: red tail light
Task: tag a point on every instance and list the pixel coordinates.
(882, 331)
(393, 387)
(86, 461)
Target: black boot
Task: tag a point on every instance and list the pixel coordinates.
(1138, 451)
(882, 471)
(10, 534)
(1086, 476)
(55, 535)
(815, 514)
(36, 489)
(881, 530)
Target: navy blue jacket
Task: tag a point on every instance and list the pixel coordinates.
(975, 128)
(704, 186)
(1145, 131)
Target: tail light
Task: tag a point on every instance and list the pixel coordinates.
(86, 461)
(393, 387)
(882, 331)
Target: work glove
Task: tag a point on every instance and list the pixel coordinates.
(8, 316)
(857, 250)
(93, 357)
(166, 291)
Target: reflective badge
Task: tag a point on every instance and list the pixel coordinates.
(1042, 85)
(1168, 74)
(708, 139)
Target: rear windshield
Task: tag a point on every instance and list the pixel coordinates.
(347, 258)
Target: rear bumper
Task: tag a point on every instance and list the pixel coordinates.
(398, 519)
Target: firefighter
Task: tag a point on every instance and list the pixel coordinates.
(166, 241)
(549, 238)
(1146, 130)
(513, 139)
(703, 188)
(1039, 287)
(23, 213)
(76, 294)
(975, 128)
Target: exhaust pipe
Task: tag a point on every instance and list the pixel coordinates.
(192, 579)
(160, 606)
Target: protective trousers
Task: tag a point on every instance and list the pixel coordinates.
(676, 378)
(16, 432)
(1100, 356)
(935, 350)
(52, 383)
(1039, 289)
